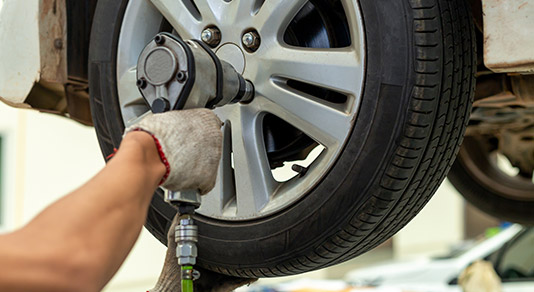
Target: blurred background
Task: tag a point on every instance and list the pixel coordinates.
(43, 157)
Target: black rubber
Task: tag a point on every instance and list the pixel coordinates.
(490, 200)
(417, 98)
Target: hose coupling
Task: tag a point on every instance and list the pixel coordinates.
(186, 237)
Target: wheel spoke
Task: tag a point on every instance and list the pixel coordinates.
(181, 15)
(334, 69)
(236, 11)
(275, 15)
(210, 9)
(131, 102)
(253, 177)
(316, 118)
(137, 119)
(224, 190)
(244, 8)
(128, 91)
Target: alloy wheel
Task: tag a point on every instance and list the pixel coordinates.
(308, 72)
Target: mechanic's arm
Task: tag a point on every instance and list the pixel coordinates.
(78, 243)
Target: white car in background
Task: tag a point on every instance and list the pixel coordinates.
(511, 252)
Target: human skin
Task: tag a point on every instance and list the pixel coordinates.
(80, 241)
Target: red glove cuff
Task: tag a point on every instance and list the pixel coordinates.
(160, 153)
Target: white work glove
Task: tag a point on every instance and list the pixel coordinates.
(169, 280)
(190, 145)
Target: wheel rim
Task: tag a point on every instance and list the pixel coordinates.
(281, 71)
(485, 164)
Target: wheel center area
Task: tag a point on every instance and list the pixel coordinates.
(232, 54)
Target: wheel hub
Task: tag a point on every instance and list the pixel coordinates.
(232, 54)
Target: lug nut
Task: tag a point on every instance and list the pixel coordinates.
(211, 36)
(251, 40)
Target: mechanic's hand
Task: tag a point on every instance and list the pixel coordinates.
(191, 142)
(169, 280)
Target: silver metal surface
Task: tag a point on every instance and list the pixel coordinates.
(249, 92)
(160, 66)
(251, 40)
(163, 58)
(189, 197)
(246, 188)
(190, 275)
(206, 84)
(211, 36)
(234, 55)
(186, 254)
(187, 233)
(186, 237)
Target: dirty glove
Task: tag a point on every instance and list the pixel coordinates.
(169, 280)
(190, 145)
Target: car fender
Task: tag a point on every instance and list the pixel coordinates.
(508, 31)
(19, 50)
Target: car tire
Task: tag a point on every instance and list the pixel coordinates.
(419, 84)
(481, 182)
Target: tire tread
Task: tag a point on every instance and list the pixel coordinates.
(435, 124)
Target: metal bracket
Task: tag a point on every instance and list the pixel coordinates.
(190, 275)
(183, 197)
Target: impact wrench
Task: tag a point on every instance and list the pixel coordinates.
(173, 74)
